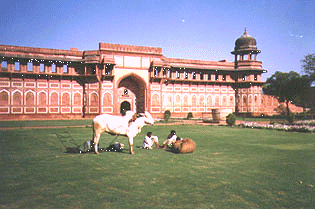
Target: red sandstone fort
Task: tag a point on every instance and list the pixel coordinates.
(53, 83)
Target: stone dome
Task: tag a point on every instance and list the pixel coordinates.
(245, 44)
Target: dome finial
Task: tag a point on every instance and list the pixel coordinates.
(245, 32)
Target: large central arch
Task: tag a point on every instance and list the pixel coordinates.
(132, 89)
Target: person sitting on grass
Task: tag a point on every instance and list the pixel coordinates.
(172, 137)
(149, 140)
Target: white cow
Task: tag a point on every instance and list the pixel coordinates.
(127, 125)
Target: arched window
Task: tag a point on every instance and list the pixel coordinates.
(42, 99)
(244, 100)
(250, 99)
(93, 99)
(54, 98)
(217, 101)
(224, 101)
(177, 100)
(17, 98)
(29, 99)
(169, 100)
(107, 99)
(77, 100)
(202, 102)
(209, 101)
(155, 100)
(232, 101)
(194, 101)
(65, 99)
(186, 100)
(4, 98)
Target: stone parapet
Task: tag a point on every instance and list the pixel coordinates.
(130, 48)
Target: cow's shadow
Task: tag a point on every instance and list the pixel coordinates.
(77, 150)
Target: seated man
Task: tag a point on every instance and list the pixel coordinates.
(149, 140)
(170, 139)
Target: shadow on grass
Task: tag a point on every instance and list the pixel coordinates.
(77, 150)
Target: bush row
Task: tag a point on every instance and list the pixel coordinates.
(279, 127)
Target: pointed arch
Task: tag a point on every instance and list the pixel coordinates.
(94, 99)
(77, 98)
(17, 98)
(30, 98)
(65, 99)
(4, 97)
(209, 101)
(155, 100)
(42, 98)
(54, 98)
(107, 99)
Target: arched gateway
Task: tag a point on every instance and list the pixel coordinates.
(131, 93)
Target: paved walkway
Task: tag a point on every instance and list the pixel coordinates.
(179, 122)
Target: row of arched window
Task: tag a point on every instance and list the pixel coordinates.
(210, 100)
(194, 101)
(18, 98)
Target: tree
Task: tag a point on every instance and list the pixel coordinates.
(288, 87)
(167, 115)
(308, 65)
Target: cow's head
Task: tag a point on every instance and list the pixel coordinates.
(147, 117)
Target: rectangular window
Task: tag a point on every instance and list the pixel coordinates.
(4, 64)
(244, 78)
(53, 68)
(193, 75)
(255, 77)
(41, 67)
(209, 76)
(108, 69)
(169, 74)
(164, 72)
(186, 75)
(30, 67)
(201, 75)
(65, 68)
(177, 74)
(216, 77)
(156, 72)
(224, 77)
(17, 66)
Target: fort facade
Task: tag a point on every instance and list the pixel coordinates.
(53, 83)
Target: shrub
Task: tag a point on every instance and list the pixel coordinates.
(189, 116)
(230, 119)
(167, 115)
(291, 118)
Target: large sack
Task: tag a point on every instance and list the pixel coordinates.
(184, 146)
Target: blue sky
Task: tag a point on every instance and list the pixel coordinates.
(197, 29)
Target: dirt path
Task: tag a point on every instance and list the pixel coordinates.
(182, 122)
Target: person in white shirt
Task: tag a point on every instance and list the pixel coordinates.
(172, 137)
(149, 140)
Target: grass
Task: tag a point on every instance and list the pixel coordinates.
(231, 168)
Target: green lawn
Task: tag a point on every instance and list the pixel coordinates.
(231, 168)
